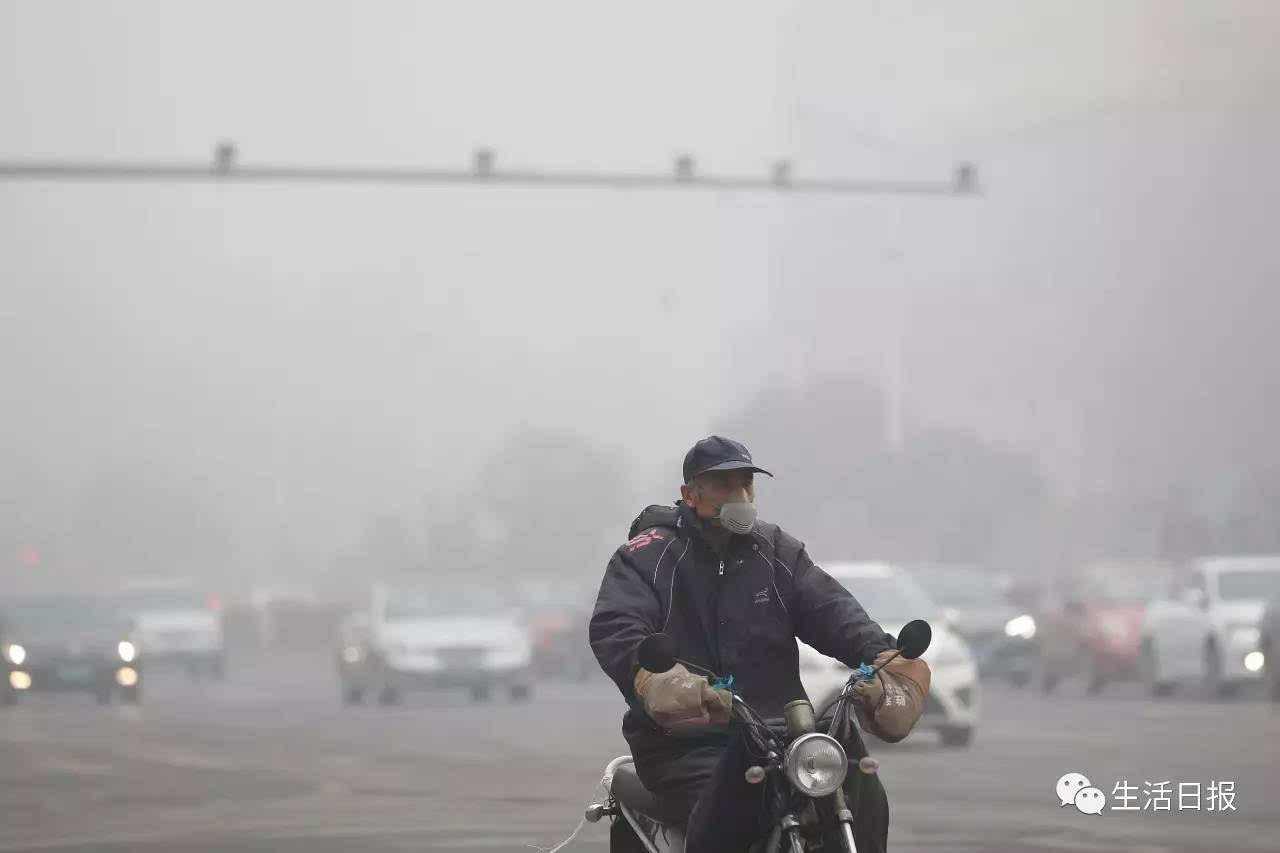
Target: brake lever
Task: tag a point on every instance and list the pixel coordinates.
(864, 672)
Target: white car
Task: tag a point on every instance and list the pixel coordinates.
(892, 598)
(433, 639)
(176, 626)
(1207, 628)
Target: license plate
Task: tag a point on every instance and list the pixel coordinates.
(73, 672)
(460, 657)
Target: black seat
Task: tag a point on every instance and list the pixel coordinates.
(628, 788)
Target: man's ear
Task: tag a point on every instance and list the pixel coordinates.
(686, 493)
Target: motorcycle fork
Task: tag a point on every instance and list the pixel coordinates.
(792, 839)
(845, 817)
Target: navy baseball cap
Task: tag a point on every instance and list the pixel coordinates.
(717, 453)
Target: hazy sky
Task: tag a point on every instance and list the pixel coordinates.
(323, 353)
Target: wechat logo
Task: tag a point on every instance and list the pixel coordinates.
(1075, 789)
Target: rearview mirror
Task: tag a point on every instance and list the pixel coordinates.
(656, 653)
(914, 638)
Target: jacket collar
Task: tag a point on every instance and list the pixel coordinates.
(697, 528)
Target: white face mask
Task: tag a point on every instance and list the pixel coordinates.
(738, 514)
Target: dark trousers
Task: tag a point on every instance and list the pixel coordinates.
(706, 788)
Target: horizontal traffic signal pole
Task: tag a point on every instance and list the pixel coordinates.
(483, 172)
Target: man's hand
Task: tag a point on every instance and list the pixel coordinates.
(869, 693)
(890, 704)
(677, 698)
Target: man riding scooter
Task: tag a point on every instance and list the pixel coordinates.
(733, 593)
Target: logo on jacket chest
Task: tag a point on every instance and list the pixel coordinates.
(762, 597)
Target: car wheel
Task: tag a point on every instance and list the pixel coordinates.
(1214, 678)
(956, 736)
(1046, 676)
(520, 692)
(1270, 671)
(388, 695)
(1019, 678)
(1095, 679)
(480, 693)
(1149, 670)
(352, 695)
(103, 695)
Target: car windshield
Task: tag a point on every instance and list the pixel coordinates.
(142, 601)
(890, 599)
(1245, 584)
(956, 586)
(434, 604)
(50, 618)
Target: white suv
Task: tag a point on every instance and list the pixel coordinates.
(176, 626)
(1207, 627)
(434, 638)
(892, 598)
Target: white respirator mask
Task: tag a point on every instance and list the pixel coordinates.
(737, 515)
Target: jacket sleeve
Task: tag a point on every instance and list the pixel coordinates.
(831, 620)
(627, 610)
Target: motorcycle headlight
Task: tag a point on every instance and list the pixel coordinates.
(127, 651)
(1021, 626)
(816, 764)
(15, 653)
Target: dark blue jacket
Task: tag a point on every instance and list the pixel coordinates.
(739, 616)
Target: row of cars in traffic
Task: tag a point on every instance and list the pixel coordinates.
(1207, 623)
(1210, 623)
(100, 643)
(409, 639)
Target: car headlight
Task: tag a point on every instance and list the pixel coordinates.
(1021, 626)
(816, 764)
(15, 653)
(127, 651)
(1244, 635)
(351, 654)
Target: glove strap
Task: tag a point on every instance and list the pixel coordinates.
(723, 684)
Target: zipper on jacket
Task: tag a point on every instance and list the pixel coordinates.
(715, 621)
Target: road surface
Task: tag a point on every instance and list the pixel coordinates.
(269, 760)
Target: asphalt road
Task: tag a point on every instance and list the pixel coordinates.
(270, 760)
